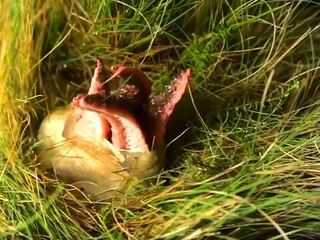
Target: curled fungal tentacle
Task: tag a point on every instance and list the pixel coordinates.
(134, 76)
(163, 105)
(126, 133)
(97, 85)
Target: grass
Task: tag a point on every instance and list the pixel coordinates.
(248, 166)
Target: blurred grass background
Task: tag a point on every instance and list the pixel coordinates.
(248, 165)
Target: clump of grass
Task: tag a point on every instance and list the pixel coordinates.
(249, 163)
